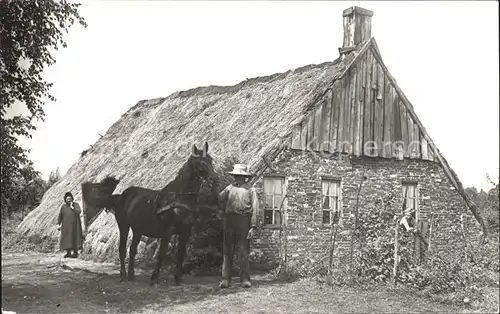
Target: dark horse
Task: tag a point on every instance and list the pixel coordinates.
(160, 214)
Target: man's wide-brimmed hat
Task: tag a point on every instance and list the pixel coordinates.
(408, 211)
(240, 170)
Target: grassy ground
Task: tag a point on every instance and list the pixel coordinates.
(47, 283)
(34, 282)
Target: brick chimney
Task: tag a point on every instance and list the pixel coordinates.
(357, 28)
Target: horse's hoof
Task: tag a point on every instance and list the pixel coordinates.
(177, 281)
(123, 276)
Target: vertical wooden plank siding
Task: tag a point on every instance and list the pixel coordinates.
(392, 122)
(303, 134)
(404, 129)
(358, 104)
(310, 129)
(411, 144)
(387, 119)
(296, 137)
(379, 112)
(416, 135)
(361, 115)
(373, 97)
(353, 115)
(317, 125)
(345, 112)
(348, 112)
(397, 119)
(341, 106)
(362, 107)
(368, 109)
(359, 86)
(425, 152)
(327, 112)
(431, 153)
(336, 93)
(396, 133)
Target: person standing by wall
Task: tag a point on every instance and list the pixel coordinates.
(240, 204)
(70, 226)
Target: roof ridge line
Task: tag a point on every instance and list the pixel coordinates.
(220, 89)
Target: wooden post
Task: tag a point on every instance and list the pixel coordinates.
(355, 226)
(429, 248)
(395, 268)
(333, 237)
(282, 249)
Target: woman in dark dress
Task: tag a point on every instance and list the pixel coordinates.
(70, 226)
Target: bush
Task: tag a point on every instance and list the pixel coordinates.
(205, 248)
(374, 260)
(450, 275)
(443, 274)
(486, 256)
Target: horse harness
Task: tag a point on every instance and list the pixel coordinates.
(174, 205)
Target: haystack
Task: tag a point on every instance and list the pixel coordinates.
(153, 139)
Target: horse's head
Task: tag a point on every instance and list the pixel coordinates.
(201, 163)
(197, 168)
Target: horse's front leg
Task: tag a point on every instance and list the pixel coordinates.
(181, 252)
(155, 277)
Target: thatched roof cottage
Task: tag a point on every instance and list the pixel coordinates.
(311, 134)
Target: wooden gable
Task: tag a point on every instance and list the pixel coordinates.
(364, 115)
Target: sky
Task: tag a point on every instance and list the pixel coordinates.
(443, 55)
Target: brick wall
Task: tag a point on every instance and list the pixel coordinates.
(308, 237)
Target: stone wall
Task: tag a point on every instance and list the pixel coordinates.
(307, 237)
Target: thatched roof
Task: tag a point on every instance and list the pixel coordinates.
(149, 143)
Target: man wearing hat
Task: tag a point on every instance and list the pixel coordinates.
(70, 226)
(240, 204)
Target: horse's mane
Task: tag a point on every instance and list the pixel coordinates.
(183, 174)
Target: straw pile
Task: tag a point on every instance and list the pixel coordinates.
(149, 143)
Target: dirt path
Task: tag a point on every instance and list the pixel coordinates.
(47, 283)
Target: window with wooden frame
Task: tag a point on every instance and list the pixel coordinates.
(410, 203)
(410, 197)
(330, 201)
(274, 192)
